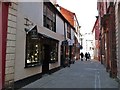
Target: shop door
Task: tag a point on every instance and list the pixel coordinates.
(45, 65)
(63, 55)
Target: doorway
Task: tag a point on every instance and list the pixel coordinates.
(46, 59)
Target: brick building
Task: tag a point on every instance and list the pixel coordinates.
(96, 33)
(110, 22)
(107, 41)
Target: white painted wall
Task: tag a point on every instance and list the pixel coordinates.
(35, 15)
(32, 9)
(20, 71)
(59, 25)
(72, 35)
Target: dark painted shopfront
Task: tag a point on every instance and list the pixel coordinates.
(40, 50)
(67, 54)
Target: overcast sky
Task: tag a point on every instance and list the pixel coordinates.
(86, 10)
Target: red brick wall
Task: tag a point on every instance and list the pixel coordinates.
(97, 32)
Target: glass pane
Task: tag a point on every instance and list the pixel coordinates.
(54, 17)
(48, 13)
(44, 9)
(54, 51)
(44, 20)
(49, 20)
(32, 54)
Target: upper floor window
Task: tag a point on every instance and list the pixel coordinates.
(49, 18)
(68, 31)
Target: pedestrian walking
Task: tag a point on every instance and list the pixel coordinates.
(82, 55)
(86, 56)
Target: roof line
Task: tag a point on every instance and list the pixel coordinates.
(95, 23)
(69, 11)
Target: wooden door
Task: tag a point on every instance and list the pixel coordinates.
(45, 65)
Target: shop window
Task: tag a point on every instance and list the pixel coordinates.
(33, 51)
(49, 18)
(54, 52)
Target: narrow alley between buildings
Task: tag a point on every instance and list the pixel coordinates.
(39, 39)
(82, 74)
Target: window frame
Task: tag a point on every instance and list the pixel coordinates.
(29, 44)
(68, 31)
(40, 41)
(49, 18)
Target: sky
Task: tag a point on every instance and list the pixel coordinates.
(85, 10)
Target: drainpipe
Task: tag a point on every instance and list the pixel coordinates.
(5, 7)
(64, 32)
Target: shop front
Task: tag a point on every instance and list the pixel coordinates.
(64, 54)
(40, 50)
(67, 53)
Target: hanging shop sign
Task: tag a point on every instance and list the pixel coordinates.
(33, 32)
(65, 43)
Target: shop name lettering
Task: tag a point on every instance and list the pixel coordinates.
(28, 22)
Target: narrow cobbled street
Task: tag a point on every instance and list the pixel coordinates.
(82, 74)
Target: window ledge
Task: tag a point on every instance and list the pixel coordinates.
(53, 61)
(32, 66)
